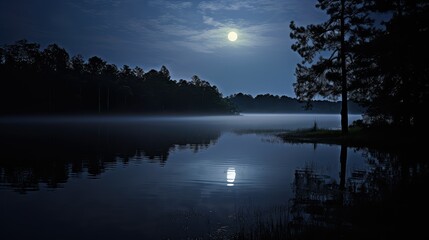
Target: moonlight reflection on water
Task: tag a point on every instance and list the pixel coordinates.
(230, 176)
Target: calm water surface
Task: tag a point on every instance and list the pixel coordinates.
(165, 177)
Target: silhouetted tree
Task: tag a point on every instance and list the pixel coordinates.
(334, 42)
(95, 68)
(55, 59)
(54, 66)
(138, 72)
(21, 63)
(396, 78)
(110, 76)
(165, 73)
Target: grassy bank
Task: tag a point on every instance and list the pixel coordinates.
(357, 137)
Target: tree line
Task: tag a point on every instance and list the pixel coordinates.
(49, 81)
(371, 52)
(268, 103)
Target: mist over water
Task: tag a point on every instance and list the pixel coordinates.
(227, 122)
(157, 177)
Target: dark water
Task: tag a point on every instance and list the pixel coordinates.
(184, 177)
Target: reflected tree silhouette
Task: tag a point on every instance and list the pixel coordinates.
(51, 153)
(377, 202)
(343, 161)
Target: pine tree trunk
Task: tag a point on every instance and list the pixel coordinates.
(344, 110)
(108, 99)
(99, 100)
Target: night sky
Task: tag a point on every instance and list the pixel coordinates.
(188, 37)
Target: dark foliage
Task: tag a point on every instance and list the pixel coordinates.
(396, 77)
(48, 81)
(380, 64)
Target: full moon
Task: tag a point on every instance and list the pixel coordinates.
(232, 36)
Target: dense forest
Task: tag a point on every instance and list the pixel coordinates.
(48, 81)
(267, 103)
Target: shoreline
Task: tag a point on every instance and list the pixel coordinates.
(357, 137)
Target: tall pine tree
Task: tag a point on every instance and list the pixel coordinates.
(334, 44)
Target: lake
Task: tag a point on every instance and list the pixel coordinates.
(181, 177)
